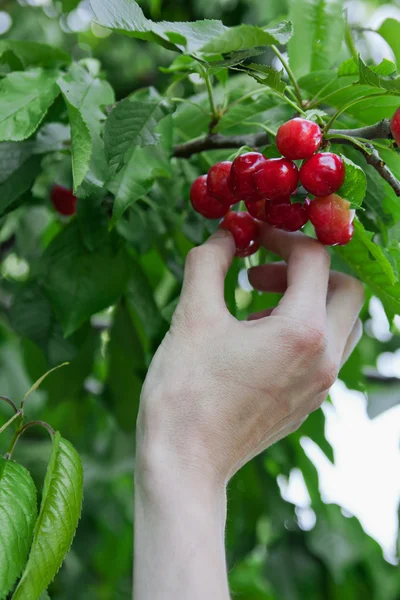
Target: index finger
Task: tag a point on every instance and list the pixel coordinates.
(307, 272)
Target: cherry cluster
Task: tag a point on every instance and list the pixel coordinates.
(268, 187)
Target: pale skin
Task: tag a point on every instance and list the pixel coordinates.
(220, 391)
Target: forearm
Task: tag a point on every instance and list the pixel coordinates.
(179, 537)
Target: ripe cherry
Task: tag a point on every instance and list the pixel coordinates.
(335, 237)
(257, 209)
(298, 138)
(331, 213)
(276, 177)
(244, 230)
(63, 200)
(395, 126)
(218, 183)
(202, 201)
(241, 178)
(284, 215)
(323, 173)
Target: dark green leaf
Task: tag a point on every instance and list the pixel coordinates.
(318, 34)
(57, 521)
(34, 54)
(18, 170)
(93, 221)
(24, 101)
(127, 17)
(18, 513)
(355, 184)
(133, 123)
(267, 76)
(80, 283)
(244, 37)
(374, 79)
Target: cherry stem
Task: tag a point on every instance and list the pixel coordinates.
(10, 402)
(349, 105)
(18, 434)
(290, 75)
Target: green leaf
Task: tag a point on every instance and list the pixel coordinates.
(57, 521)
(34, 54)
(18, 513)
(127, 17)
(137, 177)
(69, 5)
(127, 366)
(93, 221)
(355, 184)
(18, 170)
(374, 79)
(390, 31)
(318, 34)
(244, 37)
(371, 265)
(30, 315)
(24, 101)
(133, 123)
(78, 282)
(86, 96)
(52, 137)
(267, 76)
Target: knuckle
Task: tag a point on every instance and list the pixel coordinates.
(194, 257)
(326, 375)
(310, 342)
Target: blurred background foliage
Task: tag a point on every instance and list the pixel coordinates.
(273, 553)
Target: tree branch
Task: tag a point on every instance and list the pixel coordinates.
(380, 130)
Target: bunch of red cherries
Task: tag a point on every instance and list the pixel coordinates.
(268, 188)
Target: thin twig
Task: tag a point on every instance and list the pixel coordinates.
(290, 74)
(10, 402)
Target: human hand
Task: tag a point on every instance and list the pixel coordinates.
(219, 390)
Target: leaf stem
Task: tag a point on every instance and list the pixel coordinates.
(19, 432)
(210, 93)
(10, 402)
(349, 40)
(4, 427)
(290, 74)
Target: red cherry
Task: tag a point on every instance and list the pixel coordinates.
(395, 126)
(331, 213)
(203, 202)
(63, 200)
(298, 138)
(284, 215)
(218, 183)
(243, 228)
(241, 179)
(252, 249)
(323, 173)
(335, 237)
(257, 209)
(276, 177)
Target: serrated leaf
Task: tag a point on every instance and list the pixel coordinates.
(318, 34)
(244, 37)
(267, 76)
(133, 123)
(374, 79)
(127, 17)
(234, 58)
(390, 31)
(35, 54)
(86, 96)
(57, 521)
(24, 100)
(355, 184)
(18, 513)
(371, 265)
(78, 282)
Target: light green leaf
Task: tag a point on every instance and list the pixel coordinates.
(390, 31)
(251, 108)
(355, 184)
(57, 521)
(267, 76)
(78, 282)
(348, 67)
(88, 95)
(127, 17)
(34, 54)
(24, 100)
(18, 513)
(374, 79)
(133, 123)
(244, 37)
(371, 265)
(318, 34)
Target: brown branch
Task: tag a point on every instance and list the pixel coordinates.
(380, 130)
